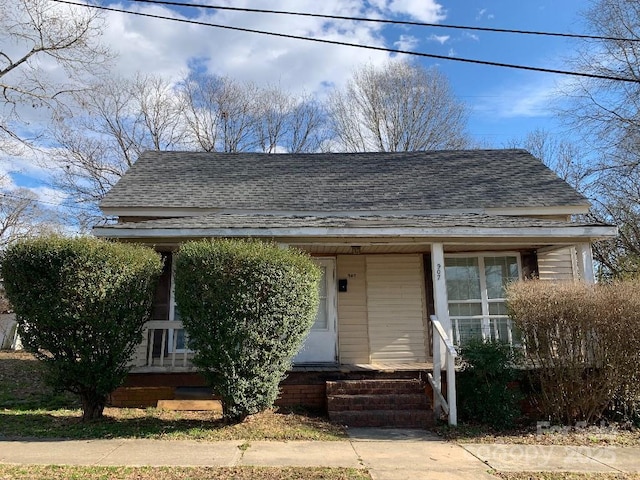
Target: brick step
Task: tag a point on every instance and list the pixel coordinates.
(384, 418)
(409, 401)
(375, 387)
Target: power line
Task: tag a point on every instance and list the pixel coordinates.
(367, 47)
(387, 21)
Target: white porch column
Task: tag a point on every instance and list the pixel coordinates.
(440, 294)
(585, 262)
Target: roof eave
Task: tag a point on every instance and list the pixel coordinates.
(584, 232)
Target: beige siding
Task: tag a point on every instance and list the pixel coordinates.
(139, 357)
(353, 336)
(557, 264)
(395, 308)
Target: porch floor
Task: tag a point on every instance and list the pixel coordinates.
(365, 367)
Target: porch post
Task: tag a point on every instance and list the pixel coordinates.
(585, 262)
(440, 295)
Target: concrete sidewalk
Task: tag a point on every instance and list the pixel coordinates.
(388, 454)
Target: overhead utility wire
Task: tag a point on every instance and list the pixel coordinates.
(368, 47)
(387, 21)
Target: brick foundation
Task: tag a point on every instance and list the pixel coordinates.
(140, 397)
(312, 396)
(306, 389)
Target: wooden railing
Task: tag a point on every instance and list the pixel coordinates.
(161, 348)
(441, 340)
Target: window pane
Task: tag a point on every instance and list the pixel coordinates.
(464, 309)
(321, 317)
(499, 272)
(463, 278)
(180, 339)
(497, 308)
(323, 282)
(321, 321)
(500, 329)
(466, 329)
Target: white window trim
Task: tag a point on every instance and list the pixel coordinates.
(487, 321)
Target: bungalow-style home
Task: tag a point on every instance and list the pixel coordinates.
(403, 239)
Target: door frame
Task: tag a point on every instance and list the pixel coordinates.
(332, 312)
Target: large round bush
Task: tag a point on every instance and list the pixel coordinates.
(246, 307)
(81, 304)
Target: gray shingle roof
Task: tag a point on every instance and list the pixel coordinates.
(339, 182)
(253, 221)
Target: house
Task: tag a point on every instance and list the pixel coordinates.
(401, 237)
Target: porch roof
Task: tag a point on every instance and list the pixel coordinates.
(432, 225)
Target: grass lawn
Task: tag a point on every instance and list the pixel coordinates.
(28, 408)
(54, 472)
(590, 436)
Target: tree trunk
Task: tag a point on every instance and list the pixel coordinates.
(92, 405)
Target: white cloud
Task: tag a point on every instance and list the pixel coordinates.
(167, 48)
(441, 39)
(424, 10)
(484, 13)
(535, 98)
(406, 42)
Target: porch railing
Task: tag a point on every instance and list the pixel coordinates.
(442, 344)
(162, 348)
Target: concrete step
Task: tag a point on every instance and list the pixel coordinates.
(193, 393)
(375, 387)
(411, 401)
(191, 405)
(384, 418)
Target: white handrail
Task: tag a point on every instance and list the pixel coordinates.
(448, 405)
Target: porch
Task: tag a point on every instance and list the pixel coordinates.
(163, 351)
(405, 394)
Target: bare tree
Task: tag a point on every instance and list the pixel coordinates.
(110, 126)
(400, 107)
(561, 155)
(34, 35)
(286, 123)
(607, 113)
(219, 113)
(223, 115)
(21, 216)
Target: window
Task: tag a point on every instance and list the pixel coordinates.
(475, 291)
(177, 337)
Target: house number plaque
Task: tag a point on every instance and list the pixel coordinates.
(438, 271)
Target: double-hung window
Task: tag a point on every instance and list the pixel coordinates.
(476, 295)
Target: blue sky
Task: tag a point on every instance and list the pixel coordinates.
(504, 104)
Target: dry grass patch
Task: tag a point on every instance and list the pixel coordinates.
(65, 472)
(566, 476)
(590, 436)
(28, 408)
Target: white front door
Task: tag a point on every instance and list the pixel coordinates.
(320, 345)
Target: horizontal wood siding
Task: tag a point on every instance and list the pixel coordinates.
(395, 308)
(353, 337)
(558, 265)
